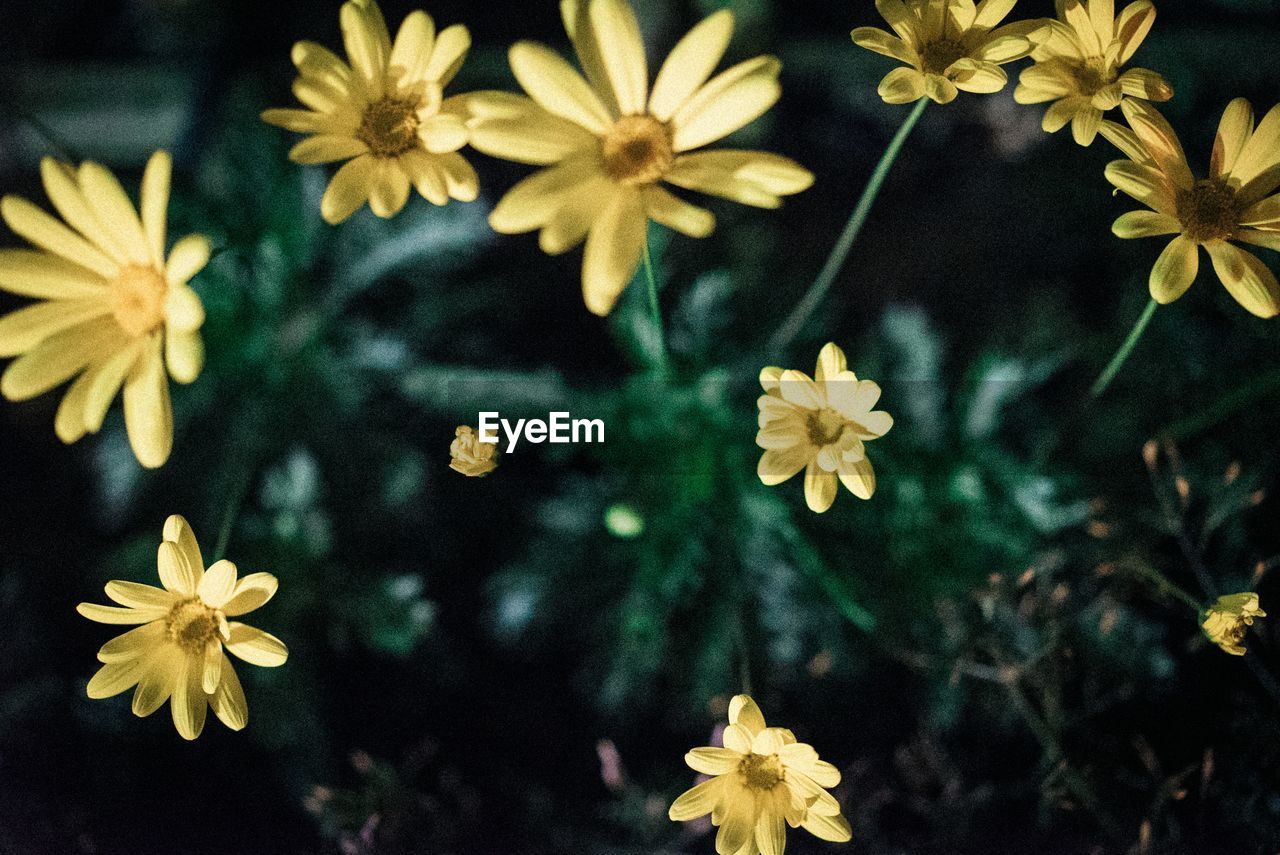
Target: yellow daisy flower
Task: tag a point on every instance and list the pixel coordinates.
(947, 45)
(471, 457)
(819, 425)
(115, 311)
(610, 141)
(763, 781)
(1235, 203)
(1078, 65)
(177, 652)
(1227, 621)
(385, 113)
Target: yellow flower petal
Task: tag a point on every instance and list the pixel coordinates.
(184, 355)
(106, 383)
(115, 213)
(148, 414)
(1159, 139)
(819, 488)
(115, 677)
(44, 231)
(59, 357)
(1141, 83)
(1175, 270)
(1085, 124)
(877, 40)
(250, 593)
(1258, 167)
(134, 644)
(556, 87)
(697, 802)
(744, 711)
(974, 75)
(1234, 131)
(256, 647)
(833, 828)
(412, 47)
(1147, 184)
(228, 700)
(138, 596)
(749, 177)
(62, 185)
(576, 212)
(858, 477)
(1140, 224)
(158, 681)
(113, 615)
(531, 204)
(326, 148)
(22, 330)
(1132, 27)
(779, 465)
(939, 89)
(713, 761)
(348, 190)
(738, 826)
(30, 273)
(614, 246)
(902, 86)
(1250, 281)
(390, 190)
(179, 532)
(690, 64)
(448, 55)
(367, 47)
(617, 35)
(177, 573)
(731, 100)
(513, 127)
(189, 703)
(154, 203)
(187, 258)
(217, 585)
(677, 214)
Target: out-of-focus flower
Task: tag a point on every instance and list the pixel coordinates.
(385, 113)
(1227, 620)
(177, 652)
(762, 781)
(1235, 203)
(819, 425)
(611, 141)
(471, 457)
(1078, 65)
(115, 311)
(947, 45)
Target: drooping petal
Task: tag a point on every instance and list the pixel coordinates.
(190, 703)
(148, 412)
(348, 190)
(902, 86)
(115, 677)
(256, 647)
(877, 40)
(858, 477)
(819, 488)
(738, 825)
(228, 701)
(676, 214)
(833, 828)
(614, 247)
(530, 204)
(1250, 281)
(113, 615)
(1175, 270)
(160, 678)
(779, 465)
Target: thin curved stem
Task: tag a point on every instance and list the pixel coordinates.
(840, 253)
(238, 493)
(1117, 361)
(655, 310)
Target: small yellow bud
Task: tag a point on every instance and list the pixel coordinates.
(1227, 620)
(471, 457)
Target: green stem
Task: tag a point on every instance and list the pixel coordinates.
(840, 253)
(655, 310)
(744, 659)
(229, 516)
(1117, 361)
(1170, 588)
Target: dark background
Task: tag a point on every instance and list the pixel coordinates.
(490, 666)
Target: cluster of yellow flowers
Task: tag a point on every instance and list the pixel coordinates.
(609, 143)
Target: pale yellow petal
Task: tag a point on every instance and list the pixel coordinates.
(184, 355)
(60, 357)
(1159, 139)
(533, 202)
(250, 593)
(713, 761)
(22, 330)
(697, 802)
(187, 258)
(1250, 281)
(1175, 270)
(515, 128)
(62, 185)
(556, 87)
(576, 212)
(731, 100)
(211, 670)
(412, 47)
(690, 63)
(189, 702)
(256, 647)
(158, 681)
(744, 711)
(148, 413)
(365, 46)
(779, 465)
(390, 190)
(31, 273)
(134, 644)
(614, 247)
(177, 573)
(621, 51)
(179, 532)
(1132, 27)
(326, 148)
(44, 231)
(154, 203)
(448, 55)
(228, 701)
(858, 477)
(1234, 131)
(115, 213)
(738, 826)
(1147, 184)
(677, 214)
(139, 596)
(1141, 224)
(902, 86)
(939, 89)
(819, 488)
(833, 828)
(749, 177)
(106, 383)
(877, 40)
(115, 677)
(348, 190)
(113, 615)
(217, 585)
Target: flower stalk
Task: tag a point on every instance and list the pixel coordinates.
(1122, 355)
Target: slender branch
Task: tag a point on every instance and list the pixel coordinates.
(799, 316)
(1117, 361)
(655, 310)
(1176, 591)
(238, 493)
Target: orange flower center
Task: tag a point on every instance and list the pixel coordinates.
(1209, 211)
(825, 427)
(937, 57)
(193, 626)
(761, 772)
(390, 127)
(137, 298)
(637, 150)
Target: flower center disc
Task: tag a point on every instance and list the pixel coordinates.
(1209, 211)
(137, 298)
(825, 427)
(761, 772)
(1093, 77)
(938, 56)
(389, 127)
(637, 150)
(192, 625)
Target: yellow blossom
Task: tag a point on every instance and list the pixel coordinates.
(177, 652)
(947, 45)
(471, 457)
(1227, 620)
(819, 425)
(115, 311)
(610, 140)
(384, 113)
(1078, 65)
(1236, 202)
(762, 781)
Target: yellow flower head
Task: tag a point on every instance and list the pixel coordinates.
(471, 457)
(115, 311)
(947, 45)
(1078, 62)
(385, 113)
(610, 140)
(763, 781)
(1227, 620)
(177, 652)
(819, 425)
(1235, 203)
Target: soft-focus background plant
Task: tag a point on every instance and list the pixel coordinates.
(517, 664)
